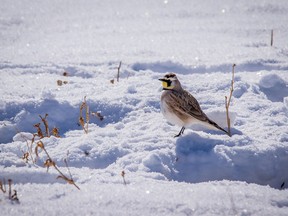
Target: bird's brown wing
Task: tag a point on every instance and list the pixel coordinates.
(185, 102)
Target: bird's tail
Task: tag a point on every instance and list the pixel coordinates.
(218, 127)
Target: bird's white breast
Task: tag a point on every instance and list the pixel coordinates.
(170, 116)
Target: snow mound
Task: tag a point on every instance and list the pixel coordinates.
(275, 88)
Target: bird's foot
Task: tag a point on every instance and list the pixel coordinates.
(180, 133)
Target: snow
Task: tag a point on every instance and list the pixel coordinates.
(203, 172)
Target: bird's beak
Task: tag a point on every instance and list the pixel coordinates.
(162, 80)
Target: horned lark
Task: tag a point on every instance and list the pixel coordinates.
(180, 107)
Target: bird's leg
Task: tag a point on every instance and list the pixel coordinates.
(181, 132)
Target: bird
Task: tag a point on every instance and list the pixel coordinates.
(180, 107)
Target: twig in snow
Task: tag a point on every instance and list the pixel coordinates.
(28, 154)
(272, 37)
(123, 176)
(55, 132)
(227, 101)
(39, 131)
(81, 119)
(9, 187)
(50, 163)
(13, 197)
(2, 186)
(45, 122)
(118, 73)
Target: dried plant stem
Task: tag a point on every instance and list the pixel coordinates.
(55, 132)
(3, 186)
(13, 197)
(68, 180)
(81, 119)
(39, 131)
(9, 188)
(44, 120)
(118, 69)
(40, 145)
(123, 176)
(272, 37)
(66, 163)
(29, 153)
(71, 181)
(228, 101)
(49, 162)
(87, 117)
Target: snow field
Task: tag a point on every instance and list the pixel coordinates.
(146, 197)
(195, 157)
(203, 172)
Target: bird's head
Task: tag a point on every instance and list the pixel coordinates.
(170, 81)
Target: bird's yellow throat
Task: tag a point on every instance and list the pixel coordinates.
(165, 85)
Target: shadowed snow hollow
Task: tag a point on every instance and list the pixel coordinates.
(275, 88)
